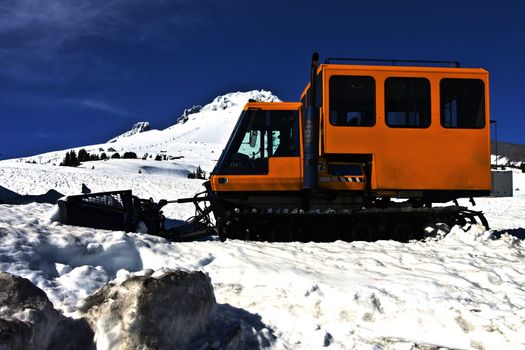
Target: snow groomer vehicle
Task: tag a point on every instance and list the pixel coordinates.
(366, 154)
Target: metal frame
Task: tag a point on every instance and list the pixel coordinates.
(394, 62)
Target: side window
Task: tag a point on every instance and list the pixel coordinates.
(284, 133)
(462, 103)
(352, 100)
(407, 102)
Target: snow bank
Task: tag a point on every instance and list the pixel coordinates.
(460, 291)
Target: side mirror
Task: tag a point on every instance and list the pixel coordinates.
(253, 138)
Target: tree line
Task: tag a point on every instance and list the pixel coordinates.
(72, 159)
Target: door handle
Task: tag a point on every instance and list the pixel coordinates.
(223, 180)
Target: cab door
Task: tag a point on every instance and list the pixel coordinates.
(263, 154)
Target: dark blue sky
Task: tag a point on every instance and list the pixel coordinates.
(76, 72)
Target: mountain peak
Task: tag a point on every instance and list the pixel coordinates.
(240, 99)
(136, 129)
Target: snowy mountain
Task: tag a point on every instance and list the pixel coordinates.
(196, 139)
(508, 154)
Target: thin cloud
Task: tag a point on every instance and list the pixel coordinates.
(102, 106)
(52, 23)
(42, 40)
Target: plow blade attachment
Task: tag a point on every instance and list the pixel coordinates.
(104, 210)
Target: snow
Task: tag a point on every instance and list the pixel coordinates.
(459, 290)
(462, 290)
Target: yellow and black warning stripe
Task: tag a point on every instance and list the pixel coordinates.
(341, 179)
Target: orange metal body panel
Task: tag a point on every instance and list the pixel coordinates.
(329, 181)
(433, 158)
(284, 173)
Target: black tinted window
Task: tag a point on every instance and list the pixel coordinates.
(407, 102)
(352, 100)
(284, 133)
(462, 103)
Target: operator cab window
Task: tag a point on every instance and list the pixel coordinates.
(261, 134)
(352, 100)
(462, 103)
(407, 102)
(285, 133)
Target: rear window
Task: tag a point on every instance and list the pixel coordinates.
(462, 103)
(352, 100)
(407, 102)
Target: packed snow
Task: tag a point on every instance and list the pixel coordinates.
(458, 289)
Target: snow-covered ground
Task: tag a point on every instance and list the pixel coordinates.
(461, 290)
(464, 290)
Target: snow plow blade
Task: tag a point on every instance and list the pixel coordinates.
(121, 211)
(104, 210)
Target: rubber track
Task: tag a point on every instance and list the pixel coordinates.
(401, 223)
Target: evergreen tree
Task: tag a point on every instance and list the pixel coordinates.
(67, 160)
(197, 174)
(129, 155)
(103, 156)
(83, 155)
(74, 159)
(70, 159)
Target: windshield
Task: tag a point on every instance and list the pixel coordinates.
(260, 134)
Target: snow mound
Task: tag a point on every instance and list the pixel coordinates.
(136, 129)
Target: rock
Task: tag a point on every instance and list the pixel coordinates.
(7, 195)
(176, 310)
(136, 129)
(187, 112)
(144, 312)
(29, 321)
(27, 317)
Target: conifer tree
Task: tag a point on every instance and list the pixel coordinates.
(83, 155)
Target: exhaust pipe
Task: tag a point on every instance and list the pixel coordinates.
(311, 132)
